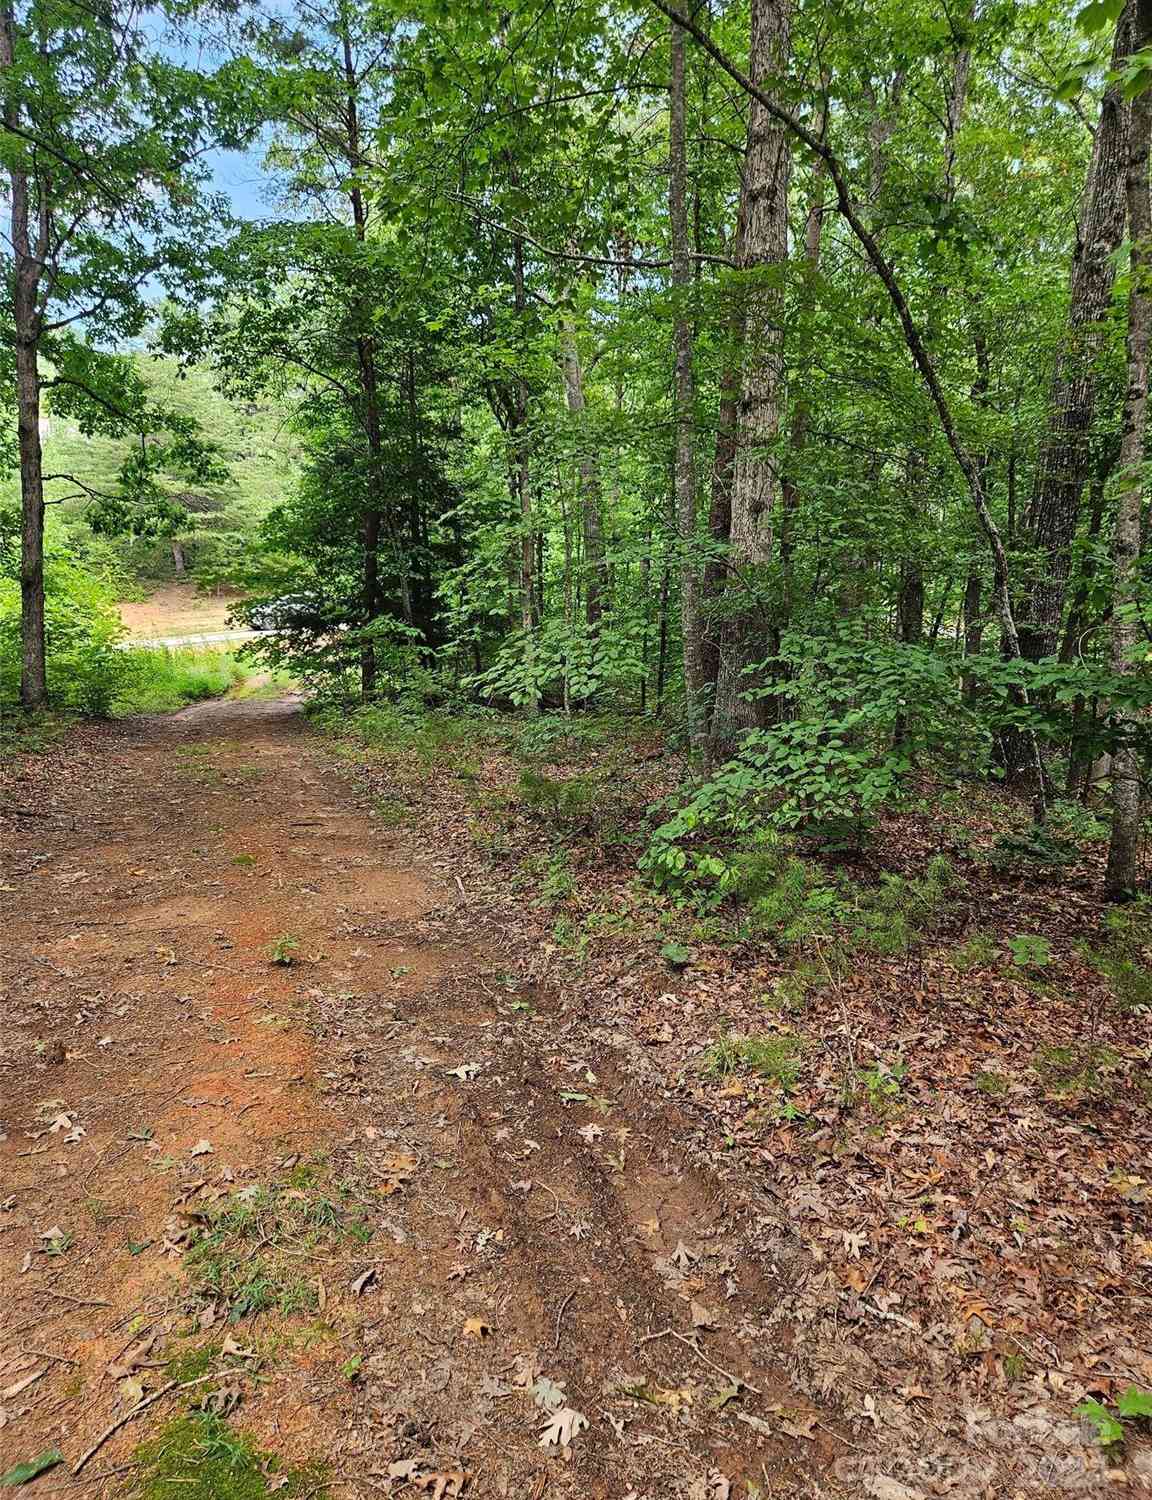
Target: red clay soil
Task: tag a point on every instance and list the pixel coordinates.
(520, 1248)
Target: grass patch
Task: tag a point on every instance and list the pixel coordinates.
(251, 1255)
(778, 1058)
(1076, 1071)
(976, 952)
(1120, 958)
(160, 680)
(200, 1456)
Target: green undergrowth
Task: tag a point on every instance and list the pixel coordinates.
(202, 1456)
(251, 1254)
(31, 734)
(159, 680)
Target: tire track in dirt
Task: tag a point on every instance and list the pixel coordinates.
(520, 1206)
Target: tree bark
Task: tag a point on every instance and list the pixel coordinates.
(755, 487)
(1065, 455)
(521, 487)
(590, 489)
(27, 268)
(1120, 876)
(683, 516)
(372, 525)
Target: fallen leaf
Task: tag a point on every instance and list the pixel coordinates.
(230, 1346)
(701, 1317)
(723, 1396)
(590, 1133)
(476, 1328)
(202, 1148)
(134, 1356)
(466, 1071)
(363, 1279)
(443, 1484)
(22, 1385)
(132, 1391)
(547, 1394)
(222, 1400)
(757, 1424)
(22, 1473)
(800, 1428)
(561, 1427)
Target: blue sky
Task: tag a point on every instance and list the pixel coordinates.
(238, 176)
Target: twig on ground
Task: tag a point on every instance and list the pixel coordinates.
(560, 1317)
(555, 1214)
(76, 1301)
(173, 1385)
(699, 1353)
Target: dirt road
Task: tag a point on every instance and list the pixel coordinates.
(282, 1133)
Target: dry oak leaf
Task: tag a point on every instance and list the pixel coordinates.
(443, 1484)
(561, 1427)
(133, 1357)
(702, 1317)
(202, 1148)
(230, 1346)
(477, 1328)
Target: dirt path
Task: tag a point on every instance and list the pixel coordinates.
(391, 1213)
(177, 610)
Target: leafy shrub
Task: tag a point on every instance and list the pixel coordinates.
(1076, 823)
(1133, 1405)
(85, 671)
(566, 662)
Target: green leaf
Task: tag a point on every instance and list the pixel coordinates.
(1108, 1429)
(1135, 1403)
(22, 1473)
(1098, 14)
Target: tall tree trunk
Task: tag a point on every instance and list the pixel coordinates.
(27, 270)
(1123, 848)
(1065, 453)
(764, 192)
(590, 488)
(801, 410)
(520, 481)
(720, 504)
(683, 517)
(373, 521)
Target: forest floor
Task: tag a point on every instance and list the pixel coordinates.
(307, 1190)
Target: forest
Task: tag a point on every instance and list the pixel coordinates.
(683, 462)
